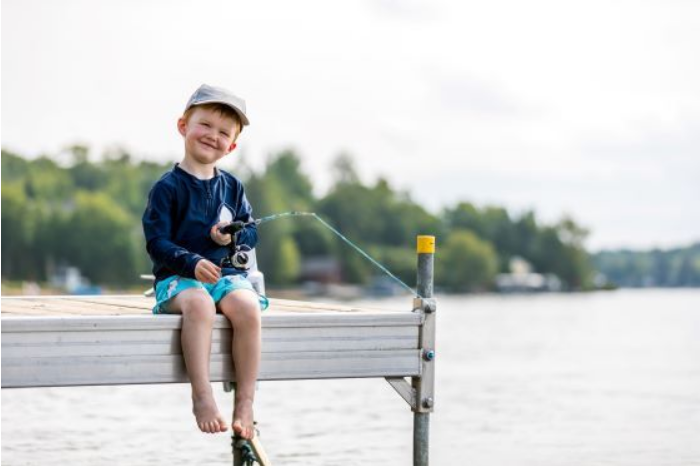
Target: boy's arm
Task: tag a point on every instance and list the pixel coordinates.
(158, 228)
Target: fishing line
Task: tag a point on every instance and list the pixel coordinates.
(269, 218)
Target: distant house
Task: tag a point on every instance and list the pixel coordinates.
(522, 279)
(321, 269)
(70, 279)
(382, 286)
(322, 276)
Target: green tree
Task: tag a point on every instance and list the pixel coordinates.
(351, 209)
(466, 263)
(399, 260)
(14, 167)
(465, 216)
(18, 229)
(288, 266)
(277, 254)
(344, 170)
(490, 223)
(576, 268)
(374, 217)
(525, 231)
(670, 268)
(285, 169)
(46, 182)
(294, 192)
(101, 240)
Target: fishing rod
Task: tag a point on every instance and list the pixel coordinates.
(239, 255)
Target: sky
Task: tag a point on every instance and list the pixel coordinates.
(588, 109)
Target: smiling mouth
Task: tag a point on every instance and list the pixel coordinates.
(205, 144)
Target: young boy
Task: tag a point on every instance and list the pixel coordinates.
(185, 209)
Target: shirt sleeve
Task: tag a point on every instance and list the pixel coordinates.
(158, 229)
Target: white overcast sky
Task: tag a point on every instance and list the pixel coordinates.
(586, 108)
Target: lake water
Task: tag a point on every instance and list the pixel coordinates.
(577, 379)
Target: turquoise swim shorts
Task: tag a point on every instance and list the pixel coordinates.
(171, 286)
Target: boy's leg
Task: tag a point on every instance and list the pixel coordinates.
(242, 308)
(198, 314)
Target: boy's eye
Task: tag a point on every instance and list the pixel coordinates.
(224, 133)
(205, 124)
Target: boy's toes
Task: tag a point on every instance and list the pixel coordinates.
(222, 425)
(238, 428)
(205, 427)
(209, 419)
(243, 432)
(211, 427)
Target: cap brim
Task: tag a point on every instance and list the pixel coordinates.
(241, 115)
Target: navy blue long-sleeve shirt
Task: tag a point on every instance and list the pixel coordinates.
(180, 213)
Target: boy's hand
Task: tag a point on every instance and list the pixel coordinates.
(220, 238)
(207, 272)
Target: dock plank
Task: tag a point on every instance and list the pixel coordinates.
(135, 304)
(70, 306)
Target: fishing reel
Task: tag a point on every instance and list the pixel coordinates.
(238, 256)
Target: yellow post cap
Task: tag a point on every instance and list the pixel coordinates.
(426, 244)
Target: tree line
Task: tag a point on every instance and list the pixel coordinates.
(675, 267)
(87, 214)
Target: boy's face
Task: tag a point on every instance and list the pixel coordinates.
(208, 134)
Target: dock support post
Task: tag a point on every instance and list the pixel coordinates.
(424, 385)
(246, 452)
(230, 387)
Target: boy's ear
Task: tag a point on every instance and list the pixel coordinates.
(182, 126)
(231, 147)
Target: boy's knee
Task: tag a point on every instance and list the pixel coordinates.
(196, 303)
(241, 306)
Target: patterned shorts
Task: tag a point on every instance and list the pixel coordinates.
(171, 286)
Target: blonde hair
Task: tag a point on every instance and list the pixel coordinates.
(222, 109)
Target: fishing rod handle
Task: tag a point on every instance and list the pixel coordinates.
(233, 227)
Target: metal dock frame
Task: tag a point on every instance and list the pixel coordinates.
(420, 394)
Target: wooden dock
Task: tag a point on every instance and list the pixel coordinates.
(95, 340)
(115, 340)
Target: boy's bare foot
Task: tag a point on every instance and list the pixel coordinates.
(243, 419)
(208, 417)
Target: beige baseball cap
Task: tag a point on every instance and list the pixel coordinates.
(207, 94)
